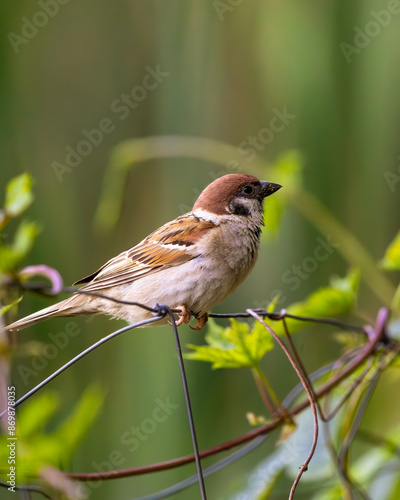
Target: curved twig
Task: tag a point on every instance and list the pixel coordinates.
(348, 393)
(343, 452)
(363, 354)
(375, 337)
(293, 394)
(310, 396)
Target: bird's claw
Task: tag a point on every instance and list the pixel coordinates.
(201, 322)
(185, 316)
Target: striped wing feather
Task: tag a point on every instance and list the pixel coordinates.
(170, 245)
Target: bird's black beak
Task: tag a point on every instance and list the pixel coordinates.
(268, 188)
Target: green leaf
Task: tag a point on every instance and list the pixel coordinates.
(396, 301)
(287, 431)
(5, 309)
(122, 160)
(287, 171)
(34, 416)
(334, 492)
(216, 336)
(391, 259)
(38, 447)
(335, 300)
(74, 428)
(18, 195)
(219, 358)
(367, 468)
(233, 347)
(272, 216)
(395, 492)
(24, 239)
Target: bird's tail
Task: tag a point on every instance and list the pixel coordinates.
(69, 307)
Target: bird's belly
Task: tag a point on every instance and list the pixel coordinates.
(197, 284)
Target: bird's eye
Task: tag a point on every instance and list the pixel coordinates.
(248, 189)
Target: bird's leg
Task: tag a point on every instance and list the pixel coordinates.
(184, 316)
(201, 322)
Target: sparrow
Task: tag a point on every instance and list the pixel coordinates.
(190, 264)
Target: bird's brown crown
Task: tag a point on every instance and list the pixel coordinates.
(216, 196)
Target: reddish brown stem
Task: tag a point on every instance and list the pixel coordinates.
(375, 337)
(310, 395)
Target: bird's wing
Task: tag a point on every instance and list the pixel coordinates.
(171, 245)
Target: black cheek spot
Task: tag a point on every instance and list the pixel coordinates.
(239, 209)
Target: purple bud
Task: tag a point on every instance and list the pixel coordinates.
(48, 272)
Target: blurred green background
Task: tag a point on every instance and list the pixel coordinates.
(226, 71)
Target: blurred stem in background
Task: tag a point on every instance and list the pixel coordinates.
(260, 377)
(132, 152)
(350, 248)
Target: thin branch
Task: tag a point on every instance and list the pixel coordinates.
(350, 247)
(272, 394)
(385, 360)
(375, 337)
(246, 449)
(263, 393)
(369, 437)
(349, 392)
(343, 452)
(310, 396)
(299, 362)
(274, 316)
(364, 353)
(302, 367)
(347, 493)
